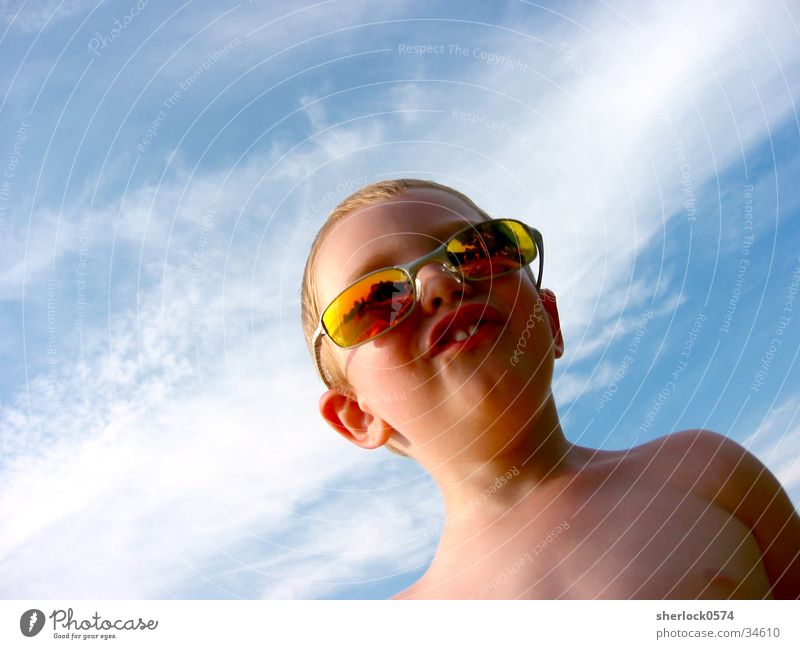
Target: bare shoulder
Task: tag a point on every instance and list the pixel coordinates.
(697, 459)
(721, 471)
(706, 463)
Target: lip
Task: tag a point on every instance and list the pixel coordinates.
(463, 317)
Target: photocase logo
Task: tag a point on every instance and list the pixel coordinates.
(31, 622)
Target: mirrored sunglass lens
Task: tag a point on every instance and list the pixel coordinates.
(369, 307)
(492, 248)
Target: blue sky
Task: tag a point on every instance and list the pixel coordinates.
(162, 185)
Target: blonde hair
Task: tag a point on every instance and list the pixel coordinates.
(372, 194)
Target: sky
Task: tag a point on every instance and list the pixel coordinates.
(166, 165)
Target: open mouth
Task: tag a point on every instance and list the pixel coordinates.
(464, 328)
(461, 335)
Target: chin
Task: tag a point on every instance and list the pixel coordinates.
(479, 385)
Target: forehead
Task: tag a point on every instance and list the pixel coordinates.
(389, 232)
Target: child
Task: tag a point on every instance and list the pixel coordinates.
(449, 361)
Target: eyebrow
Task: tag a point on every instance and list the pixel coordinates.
(383, 259)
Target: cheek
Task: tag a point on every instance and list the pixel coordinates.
(533, 368)
(531, 340)
(382, 374)
(398, 350)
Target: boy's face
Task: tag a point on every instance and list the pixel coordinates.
(460, 400)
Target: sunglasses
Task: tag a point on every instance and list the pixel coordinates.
(379, 301)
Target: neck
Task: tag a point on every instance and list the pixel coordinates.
(477, 491)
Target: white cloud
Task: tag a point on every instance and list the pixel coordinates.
(155, 472)
(184, 435)
(171, 438)
(393, 534)
(34, 16)
(777, 444)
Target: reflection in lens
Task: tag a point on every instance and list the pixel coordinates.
(369, 307)
(491, 249)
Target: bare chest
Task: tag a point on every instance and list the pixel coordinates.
(616, 542)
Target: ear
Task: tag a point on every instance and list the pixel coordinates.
(346, 416)
(550, 307)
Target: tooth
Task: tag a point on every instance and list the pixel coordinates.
(460, 336)
(473, 329)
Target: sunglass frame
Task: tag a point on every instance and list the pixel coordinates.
(411, 269)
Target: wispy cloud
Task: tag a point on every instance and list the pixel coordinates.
(27, 16)
(167, 437)
(777, 444)
(171, 438)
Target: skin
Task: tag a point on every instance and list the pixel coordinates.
(690, 515)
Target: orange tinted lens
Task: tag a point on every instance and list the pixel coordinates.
(492, 248)
(369, 307)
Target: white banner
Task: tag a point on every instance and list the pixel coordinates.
(401, 624)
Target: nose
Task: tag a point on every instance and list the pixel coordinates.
(437, 287)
